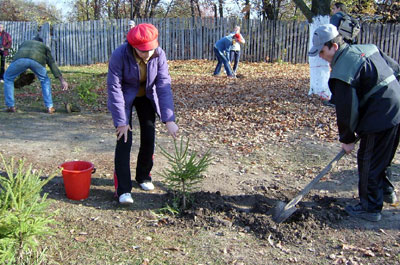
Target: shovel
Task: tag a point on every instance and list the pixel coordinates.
(283, 211)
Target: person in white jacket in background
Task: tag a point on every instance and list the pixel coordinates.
(234, 53)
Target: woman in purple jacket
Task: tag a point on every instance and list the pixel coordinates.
(138, 77)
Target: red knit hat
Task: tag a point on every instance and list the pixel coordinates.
(143, 37)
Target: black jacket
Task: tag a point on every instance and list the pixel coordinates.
(356, 110)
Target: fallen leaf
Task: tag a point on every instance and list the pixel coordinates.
(80, 238)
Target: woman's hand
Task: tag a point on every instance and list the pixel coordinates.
(123, 131)
(172, 128)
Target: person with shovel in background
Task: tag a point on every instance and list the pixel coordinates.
(221, 50)
(138, 77)
(366, 95)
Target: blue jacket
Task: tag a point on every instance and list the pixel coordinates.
(123, 84)
(224, 44)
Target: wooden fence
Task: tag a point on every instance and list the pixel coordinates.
(88, 42)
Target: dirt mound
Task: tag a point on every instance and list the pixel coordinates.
(253, 213)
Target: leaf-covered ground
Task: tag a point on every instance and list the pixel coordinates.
(265, 103)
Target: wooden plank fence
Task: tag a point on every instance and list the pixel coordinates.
(20, 31)
(89, 42)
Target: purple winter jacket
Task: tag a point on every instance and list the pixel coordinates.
(123, 84)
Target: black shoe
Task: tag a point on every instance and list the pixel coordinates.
(328, 103)
(358, 212)
(390, 198)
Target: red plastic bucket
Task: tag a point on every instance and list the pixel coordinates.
(77, 176)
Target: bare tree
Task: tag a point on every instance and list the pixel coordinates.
(221, 8)
(198, 7)
(136, 9)
(97, 4)
(153, 7)
(169, 8)
(247, 9)
(271, 9)
(192, 7)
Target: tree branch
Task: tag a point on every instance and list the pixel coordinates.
(304, 9)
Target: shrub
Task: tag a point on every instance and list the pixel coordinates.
(186, 171)
(23, 216)
(86, 92)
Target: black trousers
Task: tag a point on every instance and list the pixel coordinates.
(2, 64)
(146, 115)
(374, 158)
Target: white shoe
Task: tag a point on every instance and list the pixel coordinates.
(147, 186)
(125, 198)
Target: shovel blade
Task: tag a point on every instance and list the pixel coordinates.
(282, 211)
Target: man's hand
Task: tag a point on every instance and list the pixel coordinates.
(123, 131)
(172, 128)
(64, 84)
(348, 147)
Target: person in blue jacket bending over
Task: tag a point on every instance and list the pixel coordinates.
(221, 49)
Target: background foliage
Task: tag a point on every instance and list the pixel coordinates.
(82, 10)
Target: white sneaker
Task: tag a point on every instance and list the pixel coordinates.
(147, 186)
(125, 198)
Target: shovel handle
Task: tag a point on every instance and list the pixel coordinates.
(309, 186)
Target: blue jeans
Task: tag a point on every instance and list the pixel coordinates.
(234, 56)
(15, 69)
(222, 59)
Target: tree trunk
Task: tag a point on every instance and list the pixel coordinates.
(131, 9)
(192, 7)
(97, 9)
(319, 68)
(147, 8)
(136, 8)
(247, 7)
(221, 8)
(87, 10)
(153, 7)
(198, 7)
(319, 7)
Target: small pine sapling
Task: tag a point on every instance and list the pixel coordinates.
(186, 170)
(24, 217)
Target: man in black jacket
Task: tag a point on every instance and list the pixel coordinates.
(367, 99)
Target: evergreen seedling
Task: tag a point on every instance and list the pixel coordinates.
(186, 170)
(24, 218)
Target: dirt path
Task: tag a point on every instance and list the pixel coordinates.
(229, 221)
